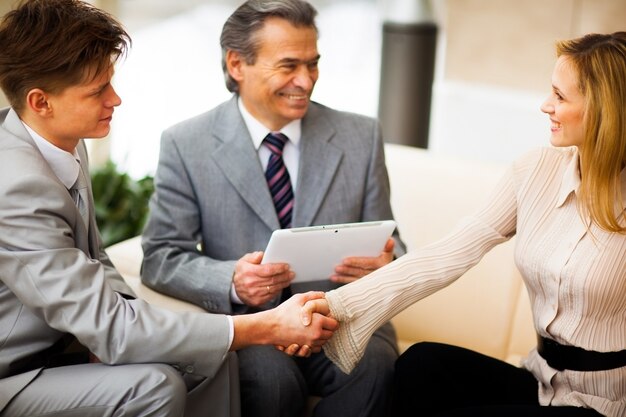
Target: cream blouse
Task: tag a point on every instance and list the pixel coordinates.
(575, 276)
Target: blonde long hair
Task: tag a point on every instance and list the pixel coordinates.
(600, 61)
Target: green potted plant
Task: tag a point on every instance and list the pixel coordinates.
(121, 203)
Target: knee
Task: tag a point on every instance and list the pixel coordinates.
(164, 387)
(270, 376)
(378, 362)
(418, 359)
(280, 382)
(278, 392)
(375, 372)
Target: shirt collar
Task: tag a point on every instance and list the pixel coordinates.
(258, 131)
(571, 178)
(64, 164)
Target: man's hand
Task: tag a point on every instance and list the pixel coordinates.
(357, 267)
(258, 284)
(282, 326)
(311, 307)
(319, 328)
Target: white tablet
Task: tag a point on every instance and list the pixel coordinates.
(314, 252)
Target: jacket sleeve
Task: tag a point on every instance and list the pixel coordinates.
(416, 275)
(41, 265)
(172, 240)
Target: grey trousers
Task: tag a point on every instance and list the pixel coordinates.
(137, 390)
(276, 385)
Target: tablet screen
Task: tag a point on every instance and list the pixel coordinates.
(314, 252)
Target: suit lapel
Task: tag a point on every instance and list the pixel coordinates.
(14, 125)
(319, 161)
(239, 162)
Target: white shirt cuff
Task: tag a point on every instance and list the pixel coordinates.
(231, 331)
(234, 298)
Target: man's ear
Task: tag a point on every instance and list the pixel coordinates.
(37, 102)
(234, 63)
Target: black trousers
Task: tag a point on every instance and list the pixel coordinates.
(433, 379)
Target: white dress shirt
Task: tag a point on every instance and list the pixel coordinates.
(65, 165)
(291, 155)
(291, 152)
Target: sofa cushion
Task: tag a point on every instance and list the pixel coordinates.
(429, 195)
(486, 310)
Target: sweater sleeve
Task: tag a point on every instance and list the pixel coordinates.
(416, 275)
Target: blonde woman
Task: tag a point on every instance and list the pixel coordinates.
(566, 205)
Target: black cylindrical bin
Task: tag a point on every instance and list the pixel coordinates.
(407, 72)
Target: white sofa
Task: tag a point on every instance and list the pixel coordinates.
(486, 310)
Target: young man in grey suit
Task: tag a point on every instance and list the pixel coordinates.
(66, 315)
(215, 205)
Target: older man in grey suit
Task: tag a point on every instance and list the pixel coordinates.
(266, 159)
(66, 315)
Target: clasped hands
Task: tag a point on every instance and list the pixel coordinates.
(305, 324)
(257, 284)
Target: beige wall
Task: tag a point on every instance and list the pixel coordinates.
(510, 43)
(111, 6)
(5, 6)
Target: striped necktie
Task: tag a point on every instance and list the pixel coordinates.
(278, 179)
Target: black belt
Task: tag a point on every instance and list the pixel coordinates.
(562, 357)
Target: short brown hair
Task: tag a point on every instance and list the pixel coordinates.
(54, 44)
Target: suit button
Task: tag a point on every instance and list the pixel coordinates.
(189, 369)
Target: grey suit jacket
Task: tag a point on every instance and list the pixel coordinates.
(212, 204)
(55, 279)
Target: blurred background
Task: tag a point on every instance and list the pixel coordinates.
(492, 66)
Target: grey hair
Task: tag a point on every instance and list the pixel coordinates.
(238, 33)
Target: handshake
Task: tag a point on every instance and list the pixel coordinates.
(299, 326)
(308, 323)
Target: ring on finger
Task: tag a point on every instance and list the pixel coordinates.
(268, 289)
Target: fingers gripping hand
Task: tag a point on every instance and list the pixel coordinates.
(354, 268)
(256, 283)
(301, 340)
(296, 350)
(311, 307)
